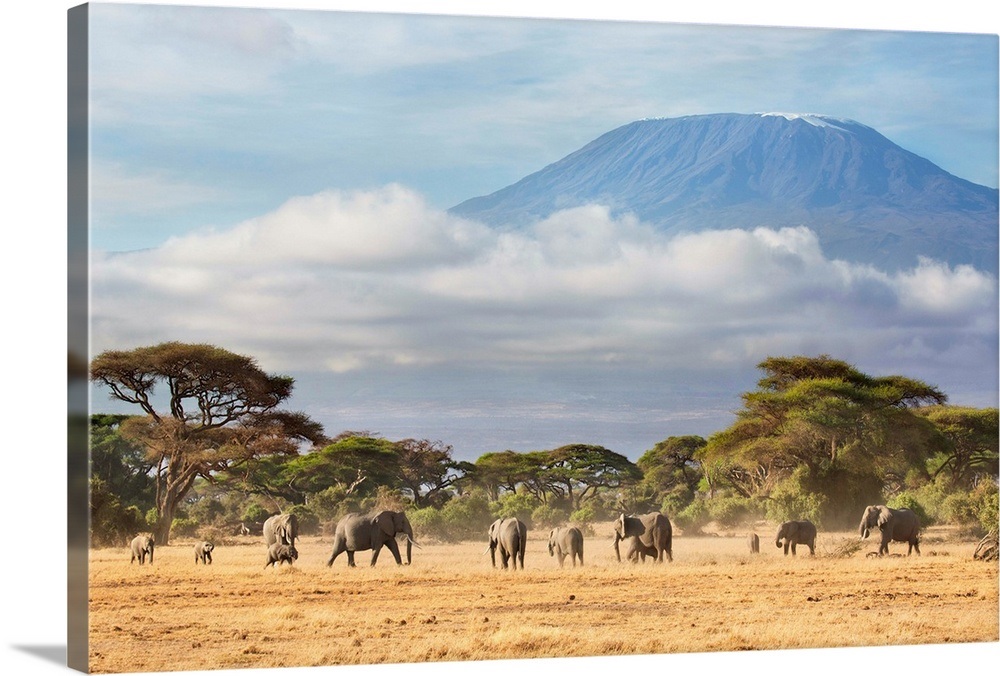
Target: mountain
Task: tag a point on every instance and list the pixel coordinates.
(867, 199)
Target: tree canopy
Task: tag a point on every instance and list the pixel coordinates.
(219, 410)
(841, 435)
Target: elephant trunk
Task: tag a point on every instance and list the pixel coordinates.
(618, 538)
(409, 544)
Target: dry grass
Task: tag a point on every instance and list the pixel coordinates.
(450, 605)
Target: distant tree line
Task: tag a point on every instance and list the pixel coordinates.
(817, 439)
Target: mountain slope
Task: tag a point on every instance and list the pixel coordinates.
(868, 199)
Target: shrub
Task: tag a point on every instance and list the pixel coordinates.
(730, 511)
(466, 517)
(255, 513)
(676, 500)
(516, 505)
(184, 527)
(789, 503)
(906, 500)
(585, 515)
(547, 516)
(308, 521)
(427, 522)
(959, 508)
(987, 505)
(693, 517)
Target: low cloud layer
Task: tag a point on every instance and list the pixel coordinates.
(342, 281)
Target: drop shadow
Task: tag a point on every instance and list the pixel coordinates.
(49, 653)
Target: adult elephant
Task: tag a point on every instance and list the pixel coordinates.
(361, 532)
(565, 542)
(796, 533)
(281, 529)
(901, 525)
(510, 536)
(653, 534)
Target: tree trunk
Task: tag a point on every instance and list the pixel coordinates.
(988, 549)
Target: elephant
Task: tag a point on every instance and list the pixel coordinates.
(510, 535)
(901, 525)
(652, 533)
(358, 532)
(637, 551)
(565, 542)
(203, 552)
(754, 541)
(279, 553)
(141, 546)
(281, 528)
(796, 532)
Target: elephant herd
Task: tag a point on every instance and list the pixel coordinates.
(646, 535)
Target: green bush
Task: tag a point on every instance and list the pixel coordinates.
(516, 505)
(184, 527)
(466, 517)
(789, 503)
(729, 511)
(308, 521)
(693, 517)
(427, 522)
(585, 515)
(547, 516)
(907, 500)
(959, 508)
(255, 513)
(676, 500)
(987, 505)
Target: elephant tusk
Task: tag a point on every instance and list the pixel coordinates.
(413, 542)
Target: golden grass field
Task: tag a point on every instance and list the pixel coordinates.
(451, 605)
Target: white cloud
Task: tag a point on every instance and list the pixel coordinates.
(347, 281)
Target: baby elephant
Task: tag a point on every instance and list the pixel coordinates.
(565, 542)
(142, 545)
(279, 553)
(203, 552)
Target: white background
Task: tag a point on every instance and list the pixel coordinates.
(32, 463)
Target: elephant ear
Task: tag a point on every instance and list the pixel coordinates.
(883, 516)
(384, 522)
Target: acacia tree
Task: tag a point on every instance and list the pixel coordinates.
(577, 472)
(840, 434)
(427, 469)
(972, 442)
(219, 411)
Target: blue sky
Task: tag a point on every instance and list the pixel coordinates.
(204, 117)
(276, 182)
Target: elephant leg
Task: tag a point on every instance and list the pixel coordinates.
(350, 559)
(793, 547)
(375, 551)
(504, 557)
(560, 557)
(786, 548)
(338, 549)
(393, 547)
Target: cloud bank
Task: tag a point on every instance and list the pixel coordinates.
(346, 281)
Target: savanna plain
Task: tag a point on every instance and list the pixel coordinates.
(450, 604)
